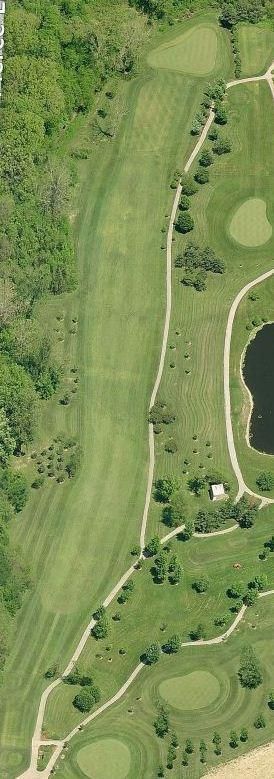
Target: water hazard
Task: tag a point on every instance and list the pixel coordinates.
(258, 372)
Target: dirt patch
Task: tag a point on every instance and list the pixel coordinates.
(258, 763)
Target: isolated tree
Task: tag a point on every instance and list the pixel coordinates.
(202, 176)
(174, 740)
(198, 633)
(160, 567)
(176, 574)
(84, 700)
(271, 700)
(265, 481)
(184, 204)
(243, 735)
(250, 672)
(201, 584)
(259, 722)
(222, 146)
(184, 223)
(197, 484)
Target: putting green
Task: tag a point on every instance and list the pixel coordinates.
(105, 759)
(192, 691)
(249, 225)
(193, 52)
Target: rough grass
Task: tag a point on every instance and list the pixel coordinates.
(256, 48)
(105, 759)
(193, 52)
(193, 691)
(249, 225)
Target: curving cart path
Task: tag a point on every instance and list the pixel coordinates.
(37, 740)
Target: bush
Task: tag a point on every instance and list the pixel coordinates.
(184, 223)
(171, 446)
(198, 633)
(173, 644)
(243, 735)
(52, 672)
(265, 481)
(259, 722)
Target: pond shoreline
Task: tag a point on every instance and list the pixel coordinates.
(252, 337)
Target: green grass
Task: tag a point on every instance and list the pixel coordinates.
(201, 318)
(193, 52)
(80, 533)
(193, 691)
(155, 612)
(233, 709)
(105, 759)
(249, 225)
(44, 756)
(256, 48)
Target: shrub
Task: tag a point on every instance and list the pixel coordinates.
(250, 672)
(184, 223)
(265, 481)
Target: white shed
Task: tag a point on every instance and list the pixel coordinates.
(217, 491)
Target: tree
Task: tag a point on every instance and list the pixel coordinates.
(176, 574)
(188, 185)
(265, 481)
(198, 633)
(174, 740)
(201, 584)
(202, 176)
(271, 701)
(174, 514)
(153, 546)
(164, 488)
(220, 114)
(173, 644)
(184, 204)
(189, 747)
(233, 739)
(236, 589)
(15, 487)
(259, 722)
(101, 629)
(7, 442)
(185, 760)
(222, 146)
(250, 597)
(85, 700)
(52, 671)
(243, 735)
(187, 533)
(216, 738)
(161, 723)
(184, 223)
(197, 484)
(161, 770)
(250, 672)
(152, 654)
(222, 620)
(160, 568)
(206, 159)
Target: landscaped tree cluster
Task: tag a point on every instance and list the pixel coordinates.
(233, 11)
(197, 262)
(244, 512)
(161, 415)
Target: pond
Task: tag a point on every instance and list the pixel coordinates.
(258, 373)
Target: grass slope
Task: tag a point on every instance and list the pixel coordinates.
(79, 534)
